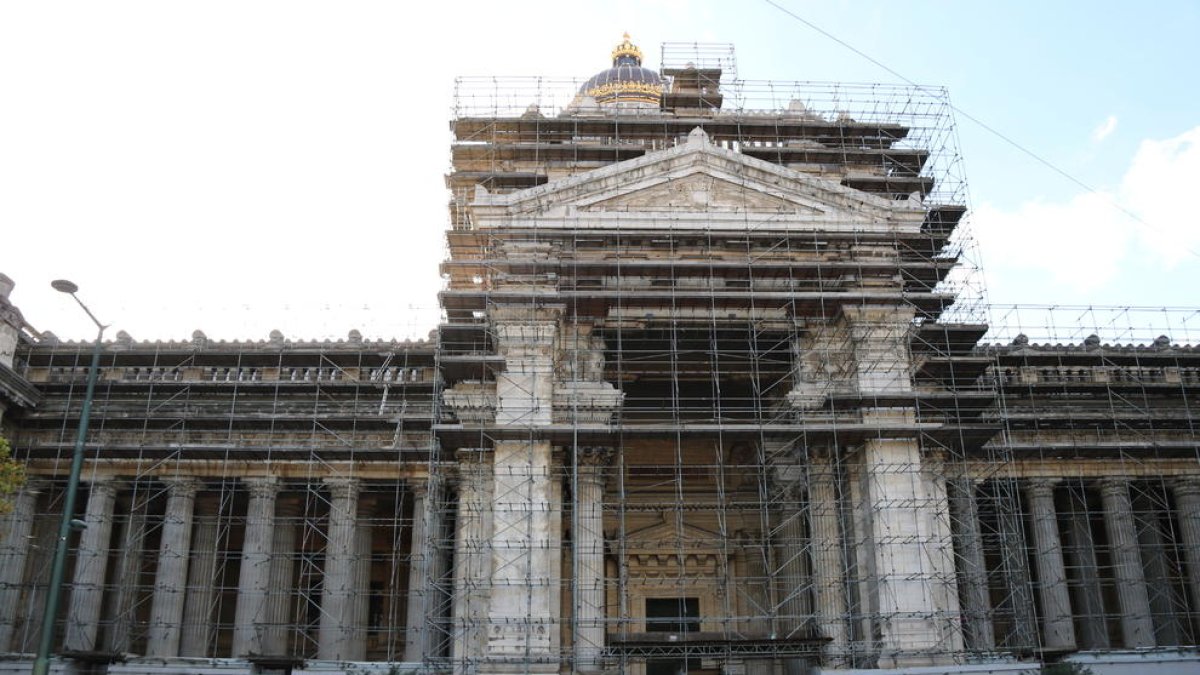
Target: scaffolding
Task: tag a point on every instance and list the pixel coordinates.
(716, 388)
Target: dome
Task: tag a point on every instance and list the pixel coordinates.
(627, 81)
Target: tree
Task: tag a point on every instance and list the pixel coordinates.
(12, 476)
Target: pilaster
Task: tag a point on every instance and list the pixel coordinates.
(472, 556)
(520, 602)
(526, 338)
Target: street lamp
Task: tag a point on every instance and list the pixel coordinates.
(41, 664)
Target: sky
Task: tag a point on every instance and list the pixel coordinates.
(238, 167)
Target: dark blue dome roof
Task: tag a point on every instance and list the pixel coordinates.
(627, 80)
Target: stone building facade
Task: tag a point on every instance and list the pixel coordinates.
(704, 399)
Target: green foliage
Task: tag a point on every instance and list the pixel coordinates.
(12, 476)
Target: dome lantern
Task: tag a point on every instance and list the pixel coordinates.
(626, 54)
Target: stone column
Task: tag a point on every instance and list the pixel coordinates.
(128, 579)
(363, 549)
(940, 547)
(14, 550)
(91, 563)
(972, 577)
(254, 575)
(420, 594)
(1058, 628)
(440, 535)
(829, 561)
(588, 560)
(1137, 626)
(336, 633)
(1187, 515)
(792, 578)
(202, 580)
(1014, 565)
(856, 535)
(283, 565)
(37, 578)
(170, 582)
(1157, 566)
(1089, 597)
(554, 546)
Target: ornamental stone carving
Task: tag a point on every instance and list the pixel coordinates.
(473, 401)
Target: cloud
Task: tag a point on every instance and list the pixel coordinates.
(1105, 129)
(1159, 188)
(1083, 243)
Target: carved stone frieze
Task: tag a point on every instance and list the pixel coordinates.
(473, 401)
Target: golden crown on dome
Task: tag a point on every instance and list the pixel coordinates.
(626, 48)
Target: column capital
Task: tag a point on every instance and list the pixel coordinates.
(342, 487)
(821, 466)
(1113, 485)
(104, 484)
(183, 486)
(595, 457)
(1039, 487)
(261, 486)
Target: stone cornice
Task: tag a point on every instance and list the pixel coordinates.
(16, 390)
(783, 193)
(218, 346)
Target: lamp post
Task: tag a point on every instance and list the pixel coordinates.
(41, 664)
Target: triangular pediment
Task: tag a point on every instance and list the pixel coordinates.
(697, 179)
(670, 536)
(702, 190)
